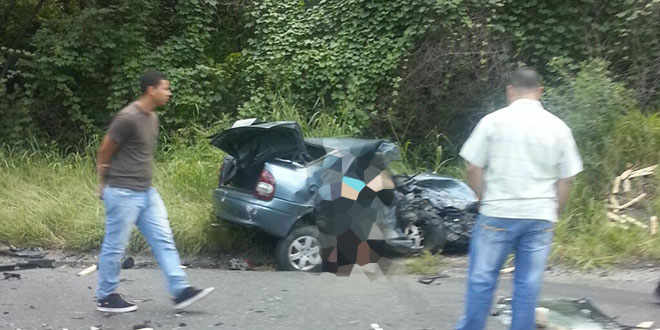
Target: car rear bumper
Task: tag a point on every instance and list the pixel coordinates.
(275, 217)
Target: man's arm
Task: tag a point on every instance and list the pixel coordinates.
(563, 191)
(103, 157)
(475, 178)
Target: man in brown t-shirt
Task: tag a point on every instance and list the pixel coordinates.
(124, 167)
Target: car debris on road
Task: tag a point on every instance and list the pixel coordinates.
(30, 264)
(10, 276)
(430, 279)
(566, 314)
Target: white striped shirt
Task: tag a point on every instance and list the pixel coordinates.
(523, 150)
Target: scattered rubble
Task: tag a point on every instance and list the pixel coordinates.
(37, 253)
(624, 213)
(37, 263)
(9, 276)
(239, 264)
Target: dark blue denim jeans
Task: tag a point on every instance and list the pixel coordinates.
(493, 239)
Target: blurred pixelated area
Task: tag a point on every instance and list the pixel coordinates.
(356, 206)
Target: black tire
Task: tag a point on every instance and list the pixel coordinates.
(300, 235)
(435, 236)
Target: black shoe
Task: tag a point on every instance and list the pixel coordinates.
(190, 295)
(656, 293)
(114, 303)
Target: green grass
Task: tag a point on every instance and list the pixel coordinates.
(48, 200)
(424, 264)
(585, 238)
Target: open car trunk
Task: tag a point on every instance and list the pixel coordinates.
(249, 144)
(260, 142)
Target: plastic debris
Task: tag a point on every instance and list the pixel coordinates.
(645, 325)
(508, 270)
(87, 270)
(239, 264)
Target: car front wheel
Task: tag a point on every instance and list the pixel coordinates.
(300, 250)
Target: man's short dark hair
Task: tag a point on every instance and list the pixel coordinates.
(525, 77)
(151, 79)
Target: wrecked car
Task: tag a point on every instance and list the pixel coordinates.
(301, 190)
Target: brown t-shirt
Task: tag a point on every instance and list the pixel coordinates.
(136, 133)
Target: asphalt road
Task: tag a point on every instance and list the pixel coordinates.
(58, 299)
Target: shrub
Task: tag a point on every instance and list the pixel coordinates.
(590, 102)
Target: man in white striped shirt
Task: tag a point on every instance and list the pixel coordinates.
(520, 161)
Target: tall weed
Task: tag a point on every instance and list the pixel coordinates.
(590, 102)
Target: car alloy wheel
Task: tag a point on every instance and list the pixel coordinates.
(304, 253)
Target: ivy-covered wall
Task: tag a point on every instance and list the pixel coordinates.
(413, 70)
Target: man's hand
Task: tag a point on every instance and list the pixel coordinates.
(99, 190)
(563, 191)
(103, 157)
(475, 179)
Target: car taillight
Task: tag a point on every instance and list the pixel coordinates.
(265, 188)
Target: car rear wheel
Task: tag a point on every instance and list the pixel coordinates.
(435, 236)
(300, 250)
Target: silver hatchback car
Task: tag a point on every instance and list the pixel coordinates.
(288, 186)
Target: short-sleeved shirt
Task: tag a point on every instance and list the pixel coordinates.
(136, 133)
(523, 150)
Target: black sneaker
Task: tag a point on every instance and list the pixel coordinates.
(114, 303)
(190, 295)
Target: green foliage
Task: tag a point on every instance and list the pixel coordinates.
(319, 124)
(86, 66)
(590, 102)
(452, 77)
(330, 55)
(424, 264)
(623, 32)
(399, 68)
(16, 122)
(636, 140)
(612, 135)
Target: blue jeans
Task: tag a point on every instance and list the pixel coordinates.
(125, 208)
(492, 241)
